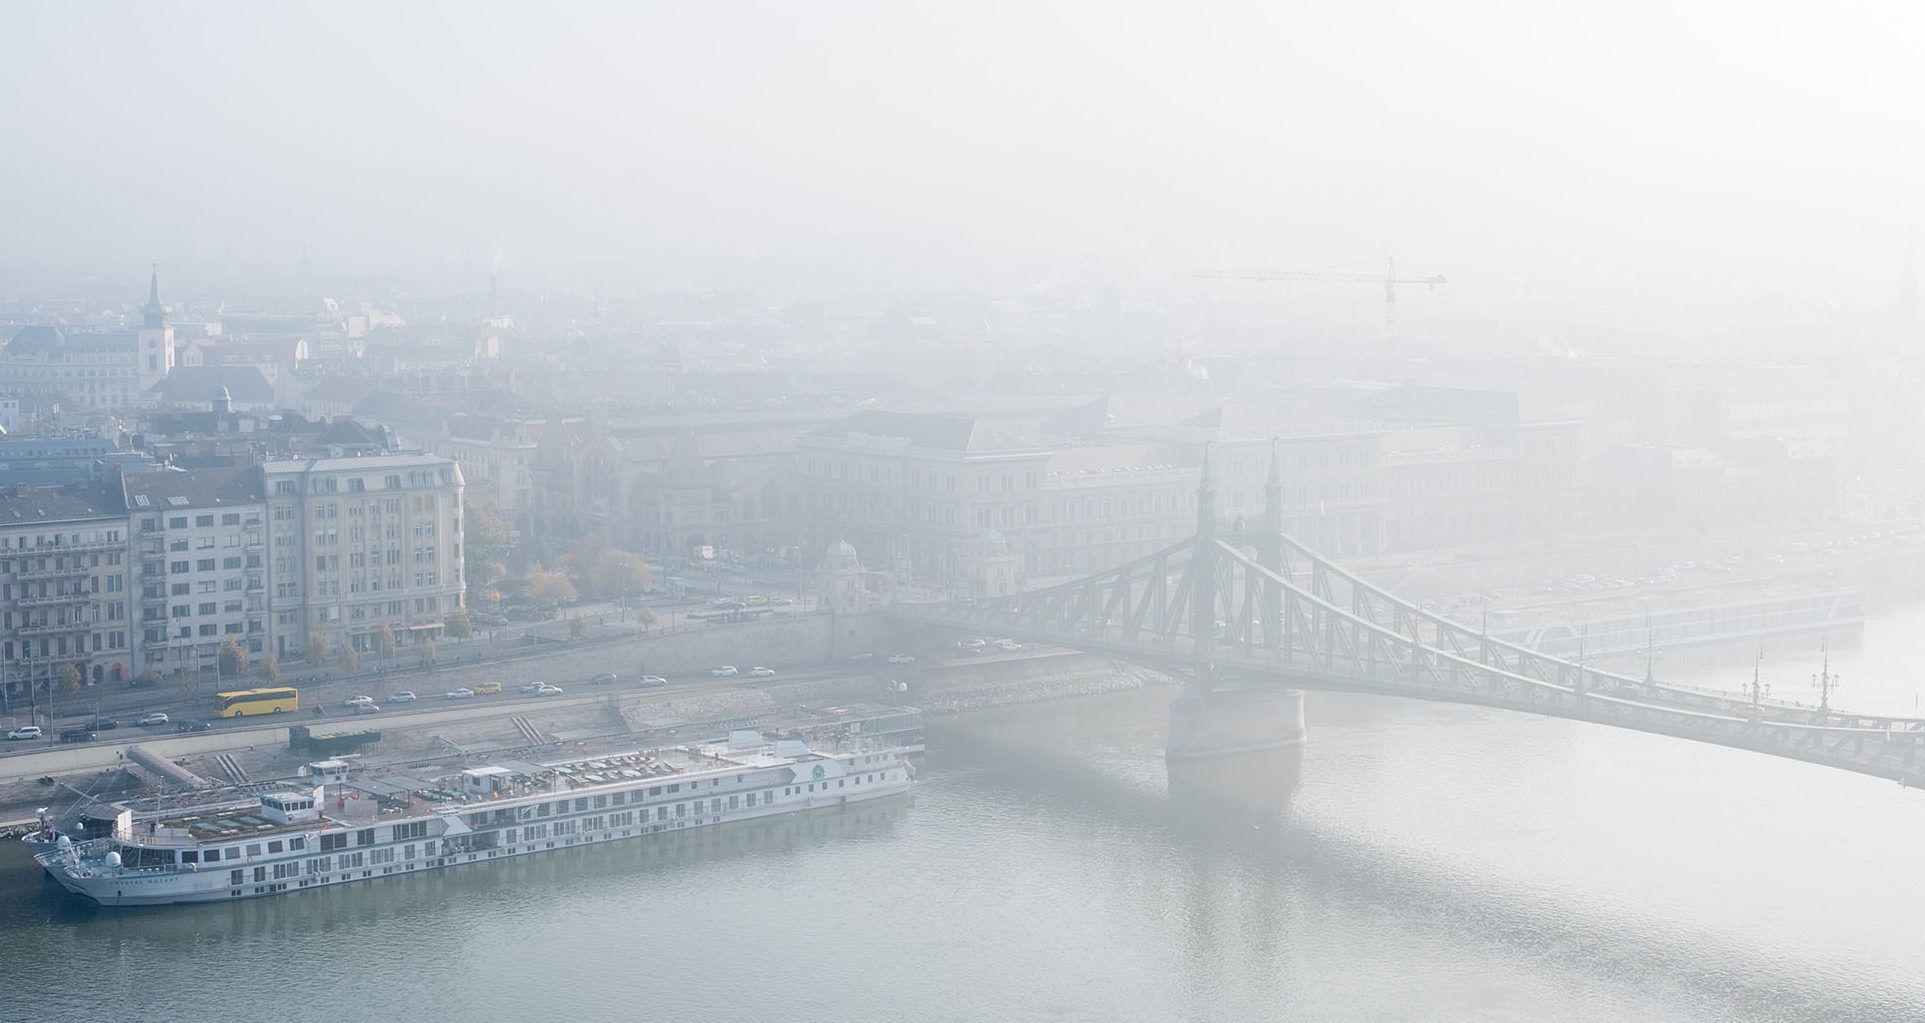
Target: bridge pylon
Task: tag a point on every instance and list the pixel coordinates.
(1208, 719)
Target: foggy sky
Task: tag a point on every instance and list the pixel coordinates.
(1605, 152)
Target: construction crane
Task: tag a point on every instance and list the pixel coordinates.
(1342, 273)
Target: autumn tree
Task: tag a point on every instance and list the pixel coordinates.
(427, 649)
(458, 625)
(317, 647)
(484, 538)
(384, 642)
(268, 668)
(233, 659)
(350, 660)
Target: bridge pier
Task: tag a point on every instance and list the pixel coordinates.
(1209, 723)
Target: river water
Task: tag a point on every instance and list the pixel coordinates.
(1415, 862)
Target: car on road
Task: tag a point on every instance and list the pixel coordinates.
(863, 656)
(548, 690)
(105, 724)
(24, 733)
(458, 694)
(761, 672)
(357, 701)
(972, 646)
(725, 671)
(606, 678)
(489, 688)
(192, 726)
(492, 620)
(1009, 645)
(755, 600)
(902, 658)
(721, 601)
(151, 719)
(653, 681)
(76, 735)
(366, 708)
(404, 696)
(532, 686)
(783, 602)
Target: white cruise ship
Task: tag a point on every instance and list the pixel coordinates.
(334, 829)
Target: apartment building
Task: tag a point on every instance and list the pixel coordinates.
(200, 542)
(64, 584)
(362, 542)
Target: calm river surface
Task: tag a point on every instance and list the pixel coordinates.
(1419, 863)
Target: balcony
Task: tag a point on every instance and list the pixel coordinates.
(53, 599)
(50, 572)
(53, 627)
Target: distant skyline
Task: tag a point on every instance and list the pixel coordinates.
(1630, 160)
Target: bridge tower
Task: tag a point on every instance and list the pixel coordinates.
(1208, 720)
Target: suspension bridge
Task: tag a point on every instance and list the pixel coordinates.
(1265, 614)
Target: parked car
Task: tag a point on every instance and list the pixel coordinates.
(404, 696)
(725, 671)
(653, 681)
(606, 678)
(191, 725)
(357, 701)
(151, 719)
(23, 733)
(548, 690)
(366, 708)
(761, 672)
(458, 694)
(76, 735)
(902, 658)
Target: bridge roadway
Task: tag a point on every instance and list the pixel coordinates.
(1278, 615)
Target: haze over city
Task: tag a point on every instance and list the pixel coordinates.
(854, 511)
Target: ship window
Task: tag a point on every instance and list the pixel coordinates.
(213, 855)
(274, 846)
(751, 800)
(254, 849)
(601, 801)
(365, 836)
(654, 790)
(190, 856)
(297, 844)
(618, 798)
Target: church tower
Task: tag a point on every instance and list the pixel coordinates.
(154, 342)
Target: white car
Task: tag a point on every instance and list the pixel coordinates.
(759, 672)
(24, 732)
(725, 671)
(404, 696)
(154, 718)
(357, 701)
(902, 658)
(458, 694)
(548, 690)
(653, 681)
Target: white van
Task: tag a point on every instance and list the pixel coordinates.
(25, 732)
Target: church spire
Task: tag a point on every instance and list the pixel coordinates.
(153, 314)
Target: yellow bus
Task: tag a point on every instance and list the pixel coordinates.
(248, 702)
